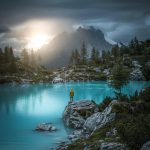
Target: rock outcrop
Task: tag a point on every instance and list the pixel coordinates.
(146, 146)
(99, 119)
(58, 80)
(136, 73)
(92, 120)
(76, 113)
(84, 117)
(112, 146)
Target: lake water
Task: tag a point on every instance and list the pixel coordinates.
(22, 107)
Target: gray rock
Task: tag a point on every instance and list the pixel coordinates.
(106, 72)
(58, 80)
(146, 146)
(99, 119)
(45, 127)
(112, 132)
(112, 146)
(136, 64)
(75, 135)
(136, 73)
(77, 112)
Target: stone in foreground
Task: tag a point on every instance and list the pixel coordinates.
(99, 119)
(113, 146)
(76, 113)
(146, 146)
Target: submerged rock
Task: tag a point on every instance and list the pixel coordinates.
(45, 127)
(76, 113)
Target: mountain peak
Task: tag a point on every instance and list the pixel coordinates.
(61, 46)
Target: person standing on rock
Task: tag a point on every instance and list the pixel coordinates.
(71, 95)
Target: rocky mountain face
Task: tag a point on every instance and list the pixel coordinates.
(57, 52)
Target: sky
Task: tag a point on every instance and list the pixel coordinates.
(22, 21)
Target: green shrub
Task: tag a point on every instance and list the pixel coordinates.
(121, 97)
(122, 108)
(134, 131)
(145, 95)
(105, 103)
(102, 76)
(134, 97)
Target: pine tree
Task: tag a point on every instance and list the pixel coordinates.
(6, 53)
(120, 76)
(77, 57)
(115, 50)
(1, 56)
(97, 56)
(93, 55)
(72, 57)
(25, 56)
(11, 55)
(103, 54)
(33, 58)
(83, 54)
(39, 59)
(1, 51)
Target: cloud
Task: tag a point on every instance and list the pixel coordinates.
(119, 20)
(4, 29)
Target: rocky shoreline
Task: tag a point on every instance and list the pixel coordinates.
(86, 119)
(70, 74)
(96, 73)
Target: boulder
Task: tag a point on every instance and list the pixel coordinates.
(45, 127)
(106, 72)
(112, 132)
(58, 80)
(75, 135)
(77, 112)
(112, 146)
(136, 73)
(146, 146)
(99, 119)
(97, 69)
(136, 64)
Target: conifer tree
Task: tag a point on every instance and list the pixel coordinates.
(77, 56)
(33, 58)
(93, 55)
(83, 54)
(25, 56)
(120, 76)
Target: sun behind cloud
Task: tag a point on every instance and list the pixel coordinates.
(38, 40)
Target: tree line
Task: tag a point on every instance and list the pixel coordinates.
(134, 48)
(81, 56)
(8, 61)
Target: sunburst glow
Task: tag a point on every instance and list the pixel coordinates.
(38, 40)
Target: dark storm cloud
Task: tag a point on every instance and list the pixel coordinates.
(4, 29)
(115, 17)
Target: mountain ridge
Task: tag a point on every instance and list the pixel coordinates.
(57, 52)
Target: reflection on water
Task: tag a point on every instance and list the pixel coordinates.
(24, 106)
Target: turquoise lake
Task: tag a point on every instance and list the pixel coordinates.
(22, 107)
